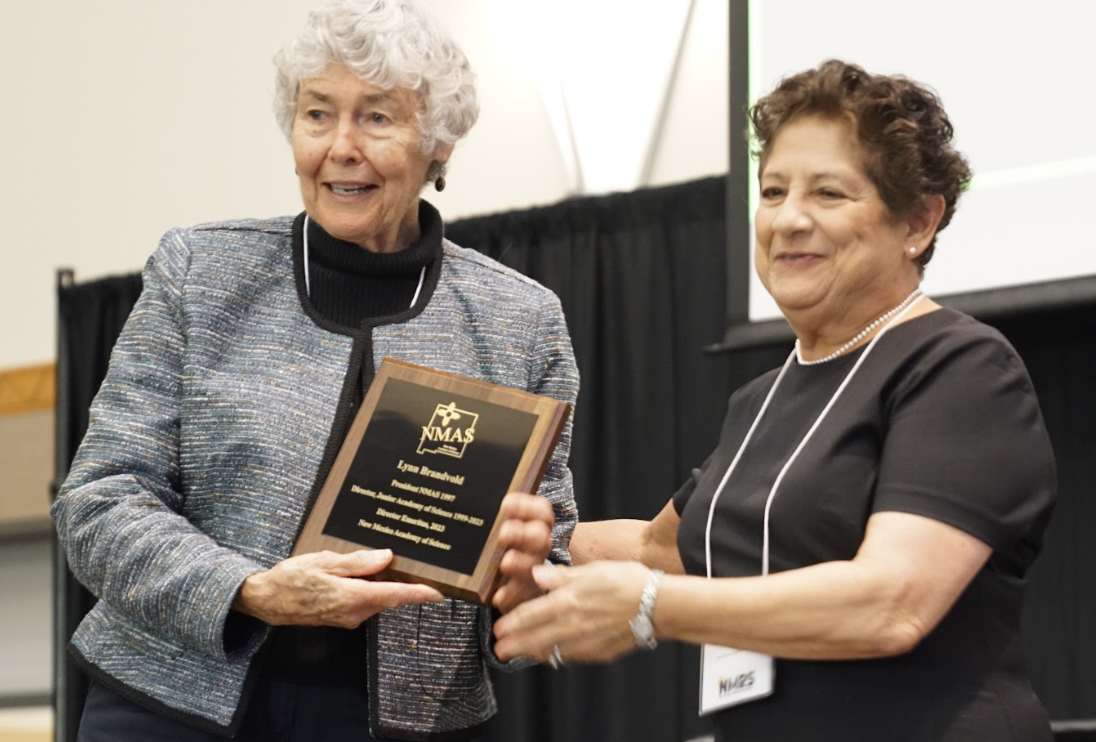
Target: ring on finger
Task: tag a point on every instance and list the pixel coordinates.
(555, 659)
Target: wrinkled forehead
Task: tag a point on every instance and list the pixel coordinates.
(338, 84)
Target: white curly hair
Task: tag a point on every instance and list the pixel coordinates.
(390, 44)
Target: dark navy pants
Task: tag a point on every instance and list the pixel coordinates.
(278, 712)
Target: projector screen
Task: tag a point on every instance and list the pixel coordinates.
(1016, 80)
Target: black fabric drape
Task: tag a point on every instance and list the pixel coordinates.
(90, 316)
(1059, 349)
(641, 277)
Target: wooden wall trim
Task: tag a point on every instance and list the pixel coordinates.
(28, 389)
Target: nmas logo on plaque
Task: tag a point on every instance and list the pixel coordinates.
(449, 432)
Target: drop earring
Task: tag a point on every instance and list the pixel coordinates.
(439, 184)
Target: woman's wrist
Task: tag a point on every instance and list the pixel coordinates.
(643, 628)
(248, 597)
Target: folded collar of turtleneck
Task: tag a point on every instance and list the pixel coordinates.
(348, 257)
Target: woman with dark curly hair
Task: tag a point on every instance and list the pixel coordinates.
(852, 554)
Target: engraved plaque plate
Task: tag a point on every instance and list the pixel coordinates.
(423, 471)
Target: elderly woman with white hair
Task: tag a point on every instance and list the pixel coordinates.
(231, 389)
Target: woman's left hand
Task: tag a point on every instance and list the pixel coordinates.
(586, 613)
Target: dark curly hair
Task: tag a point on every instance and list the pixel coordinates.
(901, 125)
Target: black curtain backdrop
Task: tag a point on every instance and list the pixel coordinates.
(90, 316)
(1059, 349)
(642, 280)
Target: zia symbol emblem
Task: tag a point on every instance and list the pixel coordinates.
(447, 412)
(449, 432)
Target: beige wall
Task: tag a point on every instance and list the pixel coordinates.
(125, 118)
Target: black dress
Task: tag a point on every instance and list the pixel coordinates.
(941, 421)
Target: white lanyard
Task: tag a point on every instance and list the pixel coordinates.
(308, 279)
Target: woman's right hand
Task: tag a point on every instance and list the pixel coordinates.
(526, 533)
(326, 589)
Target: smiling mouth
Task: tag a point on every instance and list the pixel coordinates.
(345, 190)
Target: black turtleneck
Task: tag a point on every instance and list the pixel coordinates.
(351, 285)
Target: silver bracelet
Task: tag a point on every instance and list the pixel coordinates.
(642, 628)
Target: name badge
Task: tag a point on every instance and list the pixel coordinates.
(730, 676)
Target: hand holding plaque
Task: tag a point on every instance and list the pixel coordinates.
(423, 471)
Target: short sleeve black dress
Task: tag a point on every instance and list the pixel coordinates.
(940, 420)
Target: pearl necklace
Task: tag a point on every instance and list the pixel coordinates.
(863, 333)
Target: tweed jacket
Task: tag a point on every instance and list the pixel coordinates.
(211, 436)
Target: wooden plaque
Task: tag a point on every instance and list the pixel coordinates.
(423, 471)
